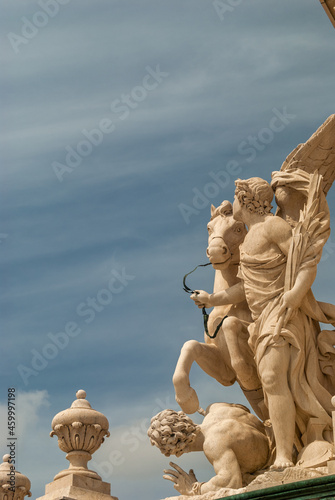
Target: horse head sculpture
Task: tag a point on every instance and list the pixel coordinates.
(225, 235)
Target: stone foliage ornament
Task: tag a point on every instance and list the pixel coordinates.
(13, 484)
(81, 431)
(271, 341)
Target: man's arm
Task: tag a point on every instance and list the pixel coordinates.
(228, 472)
(232, 295)
(303, 283)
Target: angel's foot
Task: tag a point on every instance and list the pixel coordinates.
(188, 400)
(282, 463)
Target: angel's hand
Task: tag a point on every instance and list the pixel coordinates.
(201, 298)
(183, 482)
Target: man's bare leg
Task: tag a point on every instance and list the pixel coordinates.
(273, 370)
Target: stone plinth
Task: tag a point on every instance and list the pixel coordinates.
(320, 488)
(77, 487)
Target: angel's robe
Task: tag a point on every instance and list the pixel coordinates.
(264, 279)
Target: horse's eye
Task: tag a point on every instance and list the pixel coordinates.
(238, 230)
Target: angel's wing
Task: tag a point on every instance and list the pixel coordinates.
(316, 155)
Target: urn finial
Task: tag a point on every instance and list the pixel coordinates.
(80, 430)
(13, 484)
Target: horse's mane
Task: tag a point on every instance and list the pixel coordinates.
(225, 210)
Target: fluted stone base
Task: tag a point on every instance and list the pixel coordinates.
(77, 487)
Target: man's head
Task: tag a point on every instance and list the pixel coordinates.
(172, 432)
(255, 195)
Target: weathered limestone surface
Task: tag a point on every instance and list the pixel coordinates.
(264, 331)
(77, 487)
(81, 431)
(304, 489)
(13, 484)
(232, 439)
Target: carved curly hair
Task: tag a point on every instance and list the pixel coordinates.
(255, 194)
(171, 432)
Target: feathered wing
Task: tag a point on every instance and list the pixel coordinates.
(317, 154)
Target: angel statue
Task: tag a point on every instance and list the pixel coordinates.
(278, 265)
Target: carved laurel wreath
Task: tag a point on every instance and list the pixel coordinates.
(251, 201)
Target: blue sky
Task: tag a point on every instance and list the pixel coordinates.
(178, 90)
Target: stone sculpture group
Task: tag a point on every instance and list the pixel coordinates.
(263, 332)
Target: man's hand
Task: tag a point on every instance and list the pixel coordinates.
(183, 482)
(201, 298)
(288, 304)
(288, 307)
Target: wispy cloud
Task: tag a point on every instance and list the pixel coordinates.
(119, 207)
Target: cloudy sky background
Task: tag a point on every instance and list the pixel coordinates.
(120, 210)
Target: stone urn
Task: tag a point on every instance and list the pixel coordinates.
(13, 484)
(80, 430)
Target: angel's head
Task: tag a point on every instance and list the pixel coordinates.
(296, 179)
(291, 189)
(172, 432)
(255, 195)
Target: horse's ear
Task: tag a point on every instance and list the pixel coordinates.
(226, 208)
(212, 210)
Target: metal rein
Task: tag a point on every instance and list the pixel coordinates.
(205, 315)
